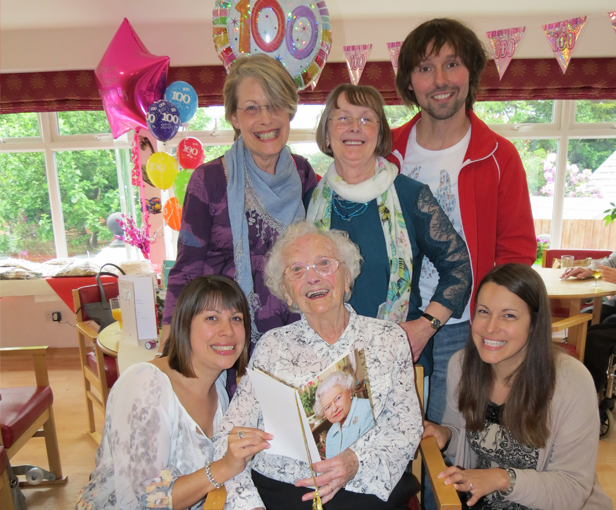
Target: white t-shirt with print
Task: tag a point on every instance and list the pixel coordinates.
(439, 170)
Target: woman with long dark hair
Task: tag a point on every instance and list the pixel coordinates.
(522, 419)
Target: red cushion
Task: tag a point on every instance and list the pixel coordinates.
(111, 367)
(578, 254)
(92, 294)
(4, 460)
(19, 409)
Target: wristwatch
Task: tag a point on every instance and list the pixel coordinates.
(512, 480)
(436, 324)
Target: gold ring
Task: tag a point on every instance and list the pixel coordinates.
(330, 487)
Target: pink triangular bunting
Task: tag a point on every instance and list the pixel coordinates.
(562, 37)
(356, 57)
(394, 53)
(503, 44)
(612, 16)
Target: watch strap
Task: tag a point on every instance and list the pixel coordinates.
(436, 323)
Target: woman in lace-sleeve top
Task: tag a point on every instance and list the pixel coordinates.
(156, 450)
(239, 204)
(394, 220)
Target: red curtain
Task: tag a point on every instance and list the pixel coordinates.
(586, 78)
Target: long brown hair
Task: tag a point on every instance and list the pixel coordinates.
(526, 410)
(204, 292)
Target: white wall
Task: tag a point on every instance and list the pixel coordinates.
(23, 323)
(189, 44)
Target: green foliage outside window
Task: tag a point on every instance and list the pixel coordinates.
(19, 125)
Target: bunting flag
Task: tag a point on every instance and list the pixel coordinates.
(612, 16)
(394, 53)
(503, 44)
(356, 57)
(562, 37)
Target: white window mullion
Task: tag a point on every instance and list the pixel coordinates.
(53, 184)
(565, 115)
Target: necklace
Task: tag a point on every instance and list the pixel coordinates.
(347, 209)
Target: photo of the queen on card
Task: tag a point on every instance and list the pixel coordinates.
(338, 405)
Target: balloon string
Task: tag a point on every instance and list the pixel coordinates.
(137, 180)
(316, 499)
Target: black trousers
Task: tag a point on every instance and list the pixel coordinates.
(285, 496)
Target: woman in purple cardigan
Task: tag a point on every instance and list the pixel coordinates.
(236, 206)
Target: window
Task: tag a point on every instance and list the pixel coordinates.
(62, 174)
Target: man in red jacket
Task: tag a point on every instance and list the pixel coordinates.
(476, 175)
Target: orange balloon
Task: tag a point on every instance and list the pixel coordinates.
(172, 213)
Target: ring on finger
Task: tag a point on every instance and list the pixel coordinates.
(471, 485)
(330, 487)
(241, 434)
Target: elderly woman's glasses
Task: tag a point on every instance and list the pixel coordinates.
(346, 121)
(254, 109)
(324, 266)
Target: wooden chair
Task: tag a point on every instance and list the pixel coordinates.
(576, 337)
(27, 412)
(100, 371)
(6, 495)
(550, 254)
(429, 453)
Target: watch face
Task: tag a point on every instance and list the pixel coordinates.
(436, 323)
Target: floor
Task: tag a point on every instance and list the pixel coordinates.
(77, 449)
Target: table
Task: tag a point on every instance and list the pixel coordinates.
(575, 291)
(127, 353)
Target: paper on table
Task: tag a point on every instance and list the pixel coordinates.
(276, 400)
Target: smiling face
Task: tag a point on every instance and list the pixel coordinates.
(217, 338)
(336, 404)
(501, 328)
(316, 295)
(441, 84)
(353, 146)
(266, 132)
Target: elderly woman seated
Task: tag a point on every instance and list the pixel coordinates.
(313, 272)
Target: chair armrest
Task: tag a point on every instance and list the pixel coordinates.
(87, 330)
(445, 495)
(39, 358)
(215, 500)
(569, 322)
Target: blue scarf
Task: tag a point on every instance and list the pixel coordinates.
(279, 194)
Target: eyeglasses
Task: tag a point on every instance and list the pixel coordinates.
(324, 266)
(254, 109)
(345, 120)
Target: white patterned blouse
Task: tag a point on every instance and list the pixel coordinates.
(296, 354)
(149, 441)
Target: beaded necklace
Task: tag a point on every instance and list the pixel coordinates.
(349, 209)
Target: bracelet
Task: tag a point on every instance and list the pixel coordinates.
(512, 480)
(208, 472)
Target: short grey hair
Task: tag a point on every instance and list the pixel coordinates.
(347, 252)
(272, 77)
(338, 378)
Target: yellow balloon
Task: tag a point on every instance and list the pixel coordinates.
(162, 169)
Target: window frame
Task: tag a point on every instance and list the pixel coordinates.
(563, 128)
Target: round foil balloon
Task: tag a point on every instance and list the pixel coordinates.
(190, 153)
(163, 120)
(180, 184)
(162, 168)
(296, 32)
(129, 79)
(172, 214)
(184, 98)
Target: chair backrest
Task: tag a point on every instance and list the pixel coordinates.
(92, 294)
(551, 254)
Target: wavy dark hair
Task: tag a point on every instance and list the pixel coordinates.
(433, 35)
(526, 410)
(205, 292)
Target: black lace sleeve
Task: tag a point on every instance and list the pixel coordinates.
(440, 242)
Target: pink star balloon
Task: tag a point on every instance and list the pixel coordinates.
(129, 80)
